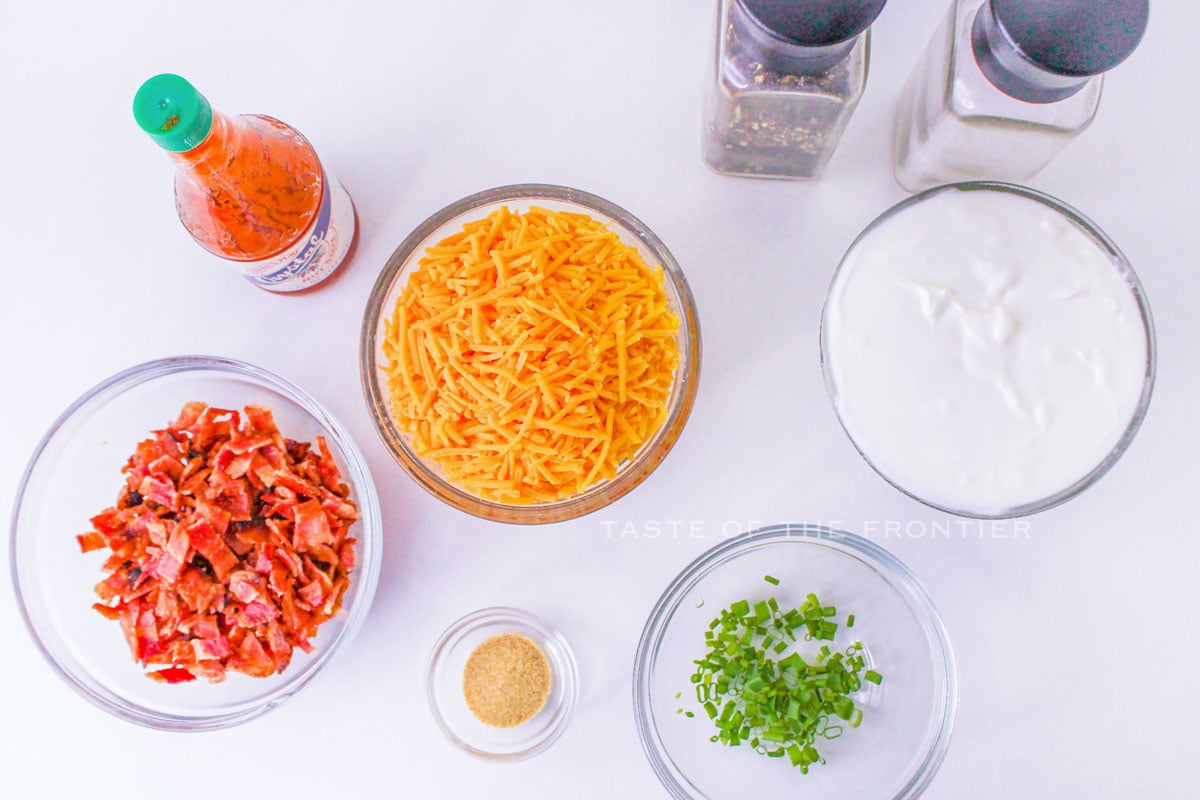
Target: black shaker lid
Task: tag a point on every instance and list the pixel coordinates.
(814, 23)
(1074, 37)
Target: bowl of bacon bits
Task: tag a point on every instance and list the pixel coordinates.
(192, 541)
(530, 353)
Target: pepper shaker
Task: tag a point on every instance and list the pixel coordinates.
(1006, 84)
(789, 73)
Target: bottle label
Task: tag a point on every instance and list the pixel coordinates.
(315, 257)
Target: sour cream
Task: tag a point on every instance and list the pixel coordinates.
(986, 352)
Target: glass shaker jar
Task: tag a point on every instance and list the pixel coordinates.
(789, 73)
(1006, 84)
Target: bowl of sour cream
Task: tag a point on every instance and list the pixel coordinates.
(988, 350)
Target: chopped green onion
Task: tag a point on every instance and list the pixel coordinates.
(778, 707)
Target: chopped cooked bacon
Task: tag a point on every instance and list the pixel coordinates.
(261, 419)
(112, 587)
(313, 594)
(169, 466)
(277, 643)
(211, 546)
(146, 631)
(216, 647)
(108, 522)
(293, 563)
(91, 541)
(172, 675)
(228, 546)
(312, 526)
(108, 612)
(231, 496)
(170, 560)
(242, 586)
(248, 445)
(188, 417)
(296, 486)
(166, 608)
(159, 489)
(257, 612)
(338, 507)
(168, 445)
(347, 555)
(216, 517)
(252, 659)
(153, 527)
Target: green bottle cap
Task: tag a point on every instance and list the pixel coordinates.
(175, 115)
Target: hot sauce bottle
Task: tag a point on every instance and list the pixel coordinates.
(249, 188)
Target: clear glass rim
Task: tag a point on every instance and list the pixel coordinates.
(1094, 232)
(568, 673)
(370, 542)
(598, 496)
(897, 574)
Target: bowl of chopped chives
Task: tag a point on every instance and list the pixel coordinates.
(530, 353)
(800, 660)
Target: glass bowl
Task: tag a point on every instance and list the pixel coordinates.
(403, 263)
(1120, 263)
(444, 686)
(76, 472)
(907, 720)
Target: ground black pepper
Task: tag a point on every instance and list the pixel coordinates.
(778, 108)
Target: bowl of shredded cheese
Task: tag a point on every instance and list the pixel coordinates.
(530, 353)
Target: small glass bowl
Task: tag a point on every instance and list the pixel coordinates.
(1120, 263)
(907, 720)
(520, 197)
(444, 686)
(76, 472)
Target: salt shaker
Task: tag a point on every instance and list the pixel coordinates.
(1007, 84)
(789, 73)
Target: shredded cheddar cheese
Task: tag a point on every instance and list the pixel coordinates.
(531, 355)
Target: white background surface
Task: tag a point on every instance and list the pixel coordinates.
(1077, 644)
